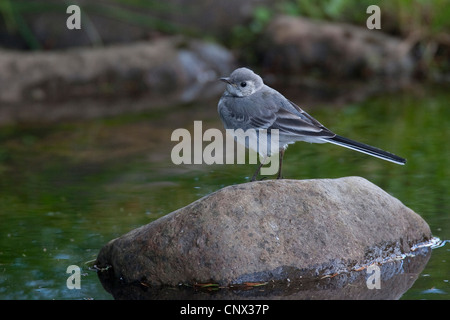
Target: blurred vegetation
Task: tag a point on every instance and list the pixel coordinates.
(401, 17)
(398, 16)
(133, 12)
(426, 24)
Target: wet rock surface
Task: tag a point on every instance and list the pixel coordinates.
(266, 231)
(396, 277)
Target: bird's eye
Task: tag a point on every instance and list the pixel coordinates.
(243, 84)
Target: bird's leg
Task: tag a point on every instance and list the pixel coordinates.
(255, 175)
(280, 164)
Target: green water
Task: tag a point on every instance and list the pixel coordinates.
(67, 189)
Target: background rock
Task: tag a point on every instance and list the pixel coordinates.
(267, 230)
(298, 45)
(167, 66)
(42, 86)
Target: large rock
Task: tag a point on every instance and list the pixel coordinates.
(268, 230)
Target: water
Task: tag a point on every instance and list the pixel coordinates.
(67, 189)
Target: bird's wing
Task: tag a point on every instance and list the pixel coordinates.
(291, 119)
(270, 111)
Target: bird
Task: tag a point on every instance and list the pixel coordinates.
(247, 103)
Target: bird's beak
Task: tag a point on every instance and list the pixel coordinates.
(227, 80)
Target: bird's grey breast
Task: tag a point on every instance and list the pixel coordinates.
(255, 111)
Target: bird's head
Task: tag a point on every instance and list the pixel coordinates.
(243, 82)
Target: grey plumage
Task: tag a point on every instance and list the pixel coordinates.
(248, 103)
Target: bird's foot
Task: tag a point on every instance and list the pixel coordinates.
(255, 179)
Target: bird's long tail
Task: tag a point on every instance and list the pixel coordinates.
(364, 148)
